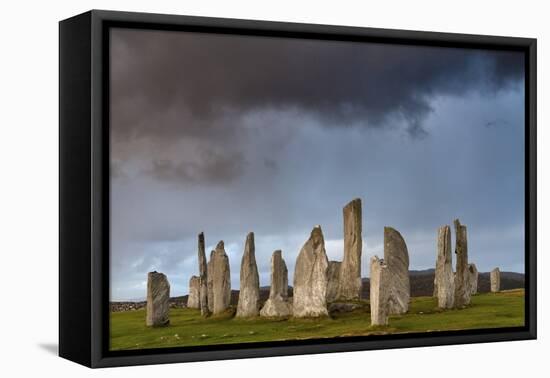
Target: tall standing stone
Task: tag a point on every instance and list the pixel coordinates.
(333, 277)
(193, 299)
(473, 275)
(249, 292)
(444, 269)
(396, 257)
(350, 269)
(379, 292)
(158, 294)
(203, 277)
(221, 279)
(310, 278)
(210, 283)
(495, 280)
(277, 304)
(462, 290)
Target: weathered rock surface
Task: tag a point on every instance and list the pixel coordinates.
(221, 279)
(396, 257)
(193, 300)
(203, 280)
(210, 283)
(379, 291)
(333, 277)
(473, 276)
(444, 278)
(276, 308)
(310, 278)
(495, 280)
(350, 269)
(279, 276)
(158, 294)
(277, 305)
(462, 288)
(249, 292)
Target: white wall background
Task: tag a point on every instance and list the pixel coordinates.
(29, 185)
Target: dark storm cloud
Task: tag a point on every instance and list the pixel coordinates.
(191, 84)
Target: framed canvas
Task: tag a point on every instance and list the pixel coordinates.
(234, 188)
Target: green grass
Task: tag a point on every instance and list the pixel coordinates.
(187, 327)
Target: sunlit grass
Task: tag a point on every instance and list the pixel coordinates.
(187, 327)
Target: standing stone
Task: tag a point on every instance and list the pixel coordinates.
(221, 279)
(210, 283)
(203, 280)
(379, 292)
(434, 294)
(462, 290)
(396, 258)
(277, 304)
(495, 280)
(310, 277)
(158, 294)
(473, 278)
(350, 270)
(333, 277)
(249, 292)
(193, 299)
(279, 276)
(444, 269)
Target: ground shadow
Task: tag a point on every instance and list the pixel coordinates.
(52, 348)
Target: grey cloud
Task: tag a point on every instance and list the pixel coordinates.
(211, 168)
(116, 170)
(271, 164)
(496, 123)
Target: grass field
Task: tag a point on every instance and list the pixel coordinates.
(187, 327)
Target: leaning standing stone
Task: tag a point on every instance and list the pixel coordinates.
(203, 280)
(396, 257)
(221, 279)
(193, 300)
(249, 292)
(462, 289)
(350, 270)
(444, 269)
(473, 278)
(277, 304)
(158, 294)
(495, 280)
(333, 275)
(379, 292)
(310, 278)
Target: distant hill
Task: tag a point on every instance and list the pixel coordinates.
(421, 272)
(508, 280)
(422, 284)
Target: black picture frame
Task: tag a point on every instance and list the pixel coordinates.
(84, 188)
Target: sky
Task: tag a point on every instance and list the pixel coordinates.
(227, 134)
